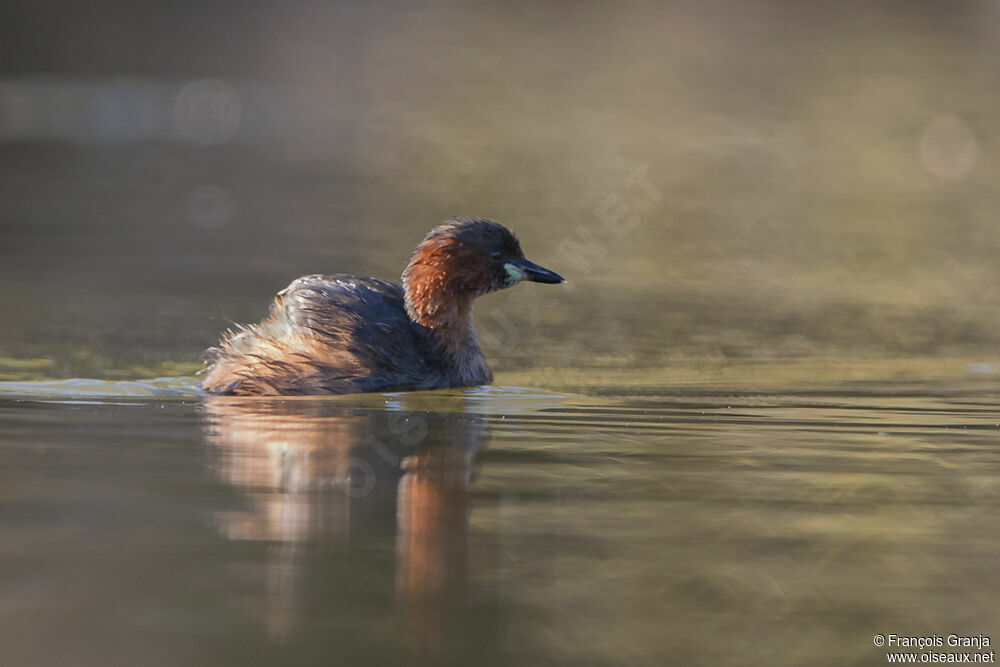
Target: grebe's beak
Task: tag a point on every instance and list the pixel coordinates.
(522, 269)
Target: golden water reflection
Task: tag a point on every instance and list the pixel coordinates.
(326, 472)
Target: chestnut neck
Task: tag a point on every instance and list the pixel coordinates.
(434, 302)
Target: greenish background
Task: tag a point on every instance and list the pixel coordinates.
(828, 175)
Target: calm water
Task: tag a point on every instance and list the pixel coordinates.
(758, 425)
(498, 526)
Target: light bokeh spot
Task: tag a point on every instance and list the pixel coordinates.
(948, 148)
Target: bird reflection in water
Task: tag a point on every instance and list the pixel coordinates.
(356, 476)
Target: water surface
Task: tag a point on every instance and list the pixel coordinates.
(498, 526)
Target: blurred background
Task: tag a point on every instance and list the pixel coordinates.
(759, 420)
(721, 182)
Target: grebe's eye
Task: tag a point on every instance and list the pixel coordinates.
(496, 254)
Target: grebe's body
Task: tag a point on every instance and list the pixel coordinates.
(339, 334)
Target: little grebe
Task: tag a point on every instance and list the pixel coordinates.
(341, 334)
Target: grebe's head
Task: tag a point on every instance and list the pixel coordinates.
(461, 259)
